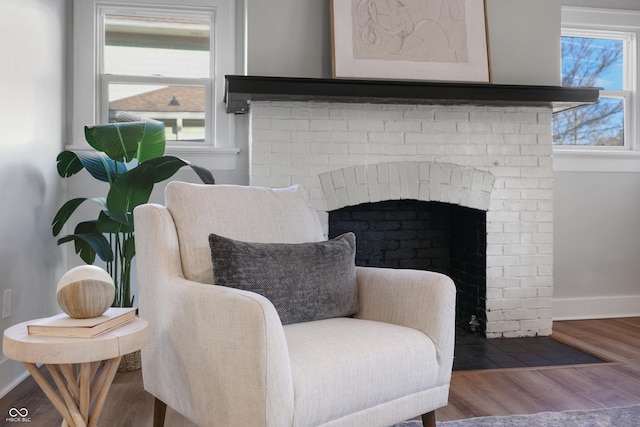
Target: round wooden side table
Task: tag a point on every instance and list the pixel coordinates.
(82, 369)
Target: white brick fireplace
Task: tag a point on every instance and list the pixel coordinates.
(492, 158)
(480, 146)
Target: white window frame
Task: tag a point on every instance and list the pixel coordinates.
(89, 84)
(617, 24)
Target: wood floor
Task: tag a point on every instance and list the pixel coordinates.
(473, 393)
(530, 390)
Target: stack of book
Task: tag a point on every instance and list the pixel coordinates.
(61, 325)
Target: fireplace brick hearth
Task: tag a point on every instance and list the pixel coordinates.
(492, 158)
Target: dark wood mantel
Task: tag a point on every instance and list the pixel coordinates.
(241, 90)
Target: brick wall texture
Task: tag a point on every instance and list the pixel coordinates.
(496, 159)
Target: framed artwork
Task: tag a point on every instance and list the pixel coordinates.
(410, 39)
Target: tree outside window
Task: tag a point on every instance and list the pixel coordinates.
(594, 60)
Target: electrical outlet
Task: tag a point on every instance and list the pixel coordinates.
(6, 303)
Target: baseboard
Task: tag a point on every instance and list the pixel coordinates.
(596, 307)
(12, 373)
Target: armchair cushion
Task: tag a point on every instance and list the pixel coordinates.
(252, 214)
(343, 366)
(304, 281)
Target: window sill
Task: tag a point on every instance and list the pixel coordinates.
(568, 160)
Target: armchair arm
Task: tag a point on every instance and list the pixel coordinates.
(215, 354)
(422, 300)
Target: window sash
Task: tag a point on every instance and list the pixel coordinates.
(154, 11)
(625, 97)
(108, 79)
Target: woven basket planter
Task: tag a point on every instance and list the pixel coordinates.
(130, 362)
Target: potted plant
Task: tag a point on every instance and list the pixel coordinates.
(130, 158)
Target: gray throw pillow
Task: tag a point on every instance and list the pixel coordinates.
(304, 281)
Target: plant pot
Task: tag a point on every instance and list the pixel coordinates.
(130, 362)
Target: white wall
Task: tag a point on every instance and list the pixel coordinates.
(524, 41)
(597, 237)
(597, 219)
(32, 48)
(289, 38)
(292, 38)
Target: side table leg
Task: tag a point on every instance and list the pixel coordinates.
(75, 410)
(49, 392)
(85, 395)
(68, 371)
(109, 372)
(70, 402)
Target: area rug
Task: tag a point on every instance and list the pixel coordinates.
(627, 416)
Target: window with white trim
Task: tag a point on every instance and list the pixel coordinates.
(599, 49)
(595, 59)
(157, 60)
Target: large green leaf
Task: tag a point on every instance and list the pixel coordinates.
(167, 166)
(89, 242)
(68, 164)
(131, 189)
(125, 140)
(153, 143)
(97, 164)
(70, 206)
(119, 141)
(118, 222)
(205, 174)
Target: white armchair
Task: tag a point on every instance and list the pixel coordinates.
(221, 356)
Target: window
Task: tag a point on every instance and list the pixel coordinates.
(588, 60)
(142, 48)
(599, 50)
(596, 59)
(157, 60)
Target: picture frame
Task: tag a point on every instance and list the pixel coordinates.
(442, 40)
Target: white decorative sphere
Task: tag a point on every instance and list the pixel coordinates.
(85, 291)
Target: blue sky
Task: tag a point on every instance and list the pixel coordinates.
(611, 79)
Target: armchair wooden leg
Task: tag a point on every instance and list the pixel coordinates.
(159, 412)
(429, 419)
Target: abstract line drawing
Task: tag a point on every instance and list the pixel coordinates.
(410, 30)
(410, 39)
